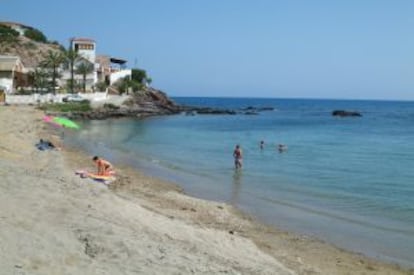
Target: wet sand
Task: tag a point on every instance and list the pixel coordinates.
(54, 222)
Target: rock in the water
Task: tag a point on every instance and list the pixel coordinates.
(343, 113)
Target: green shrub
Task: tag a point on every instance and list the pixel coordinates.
(83, 106)
(35, 35)
(110, 106)
(58, 45)
(30, 45)
(138, 75)
(136, 86)
(101, 86)
(7, 34)
(24, 92)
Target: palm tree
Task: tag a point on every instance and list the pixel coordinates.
(52, 62)
(39, 78)
(84, 68)
(71, 57)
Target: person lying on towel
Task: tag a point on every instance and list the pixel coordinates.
(45, 145)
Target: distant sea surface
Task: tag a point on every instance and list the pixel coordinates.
(348, 181)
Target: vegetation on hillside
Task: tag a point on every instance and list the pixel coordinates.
(35, 35)
(31, 47)
(8, 37)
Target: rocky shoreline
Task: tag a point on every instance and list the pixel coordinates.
(152, 102)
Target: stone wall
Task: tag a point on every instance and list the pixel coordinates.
(38, 98)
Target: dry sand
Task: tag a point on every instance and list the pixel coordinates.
(54, 222)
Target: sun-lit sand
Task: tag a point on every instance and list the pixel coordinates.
(54, 222)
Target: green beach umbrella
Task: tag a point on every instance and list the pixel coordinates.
(65, 122)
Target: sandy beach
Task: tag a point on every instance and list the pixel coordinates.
(54, 222)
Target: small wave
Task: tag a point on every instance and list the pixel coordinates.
(337, 216)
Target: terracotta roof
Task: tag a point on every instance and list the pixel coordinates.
(82, 39)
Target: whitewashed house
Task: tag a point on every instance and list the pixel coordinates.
(86, 48)
(12, 73)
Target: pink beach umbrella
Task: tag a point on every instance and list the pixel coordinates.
(49, 119)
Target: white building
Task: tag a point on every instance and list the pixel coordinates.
(86, 48)
(12, 73)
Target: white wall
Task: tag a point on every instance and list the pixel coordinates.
(7, 83)
(38, 98)
(98, 96)
(118, 75)
(33, 99)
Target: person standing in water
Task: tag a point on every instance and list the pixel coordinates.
(262, 145)
(282, 148)
(238, 157)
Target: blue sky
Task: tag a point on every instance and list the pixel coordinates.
(265, 48)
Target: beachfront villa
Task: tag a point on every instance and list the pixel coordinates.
(86, 49)
(106, 69)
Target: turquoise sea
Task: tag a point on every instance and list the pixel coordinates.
(348, 181)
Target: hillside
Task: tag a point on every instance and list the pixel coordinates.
(30, 51)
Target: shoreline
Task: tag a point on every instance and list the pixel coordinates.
(245, 245)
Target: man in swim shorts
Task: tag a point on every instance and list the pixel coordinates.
(238, 156)
(104, 167)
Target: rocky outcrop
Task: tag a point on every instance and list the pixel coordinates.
(149, 102)
(343, 113)
(152, 100)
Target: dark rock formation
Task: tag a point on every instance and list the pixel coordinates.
(257, 109)
(343, 113)
(152, 100)
(192, 110)
(214, 111)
